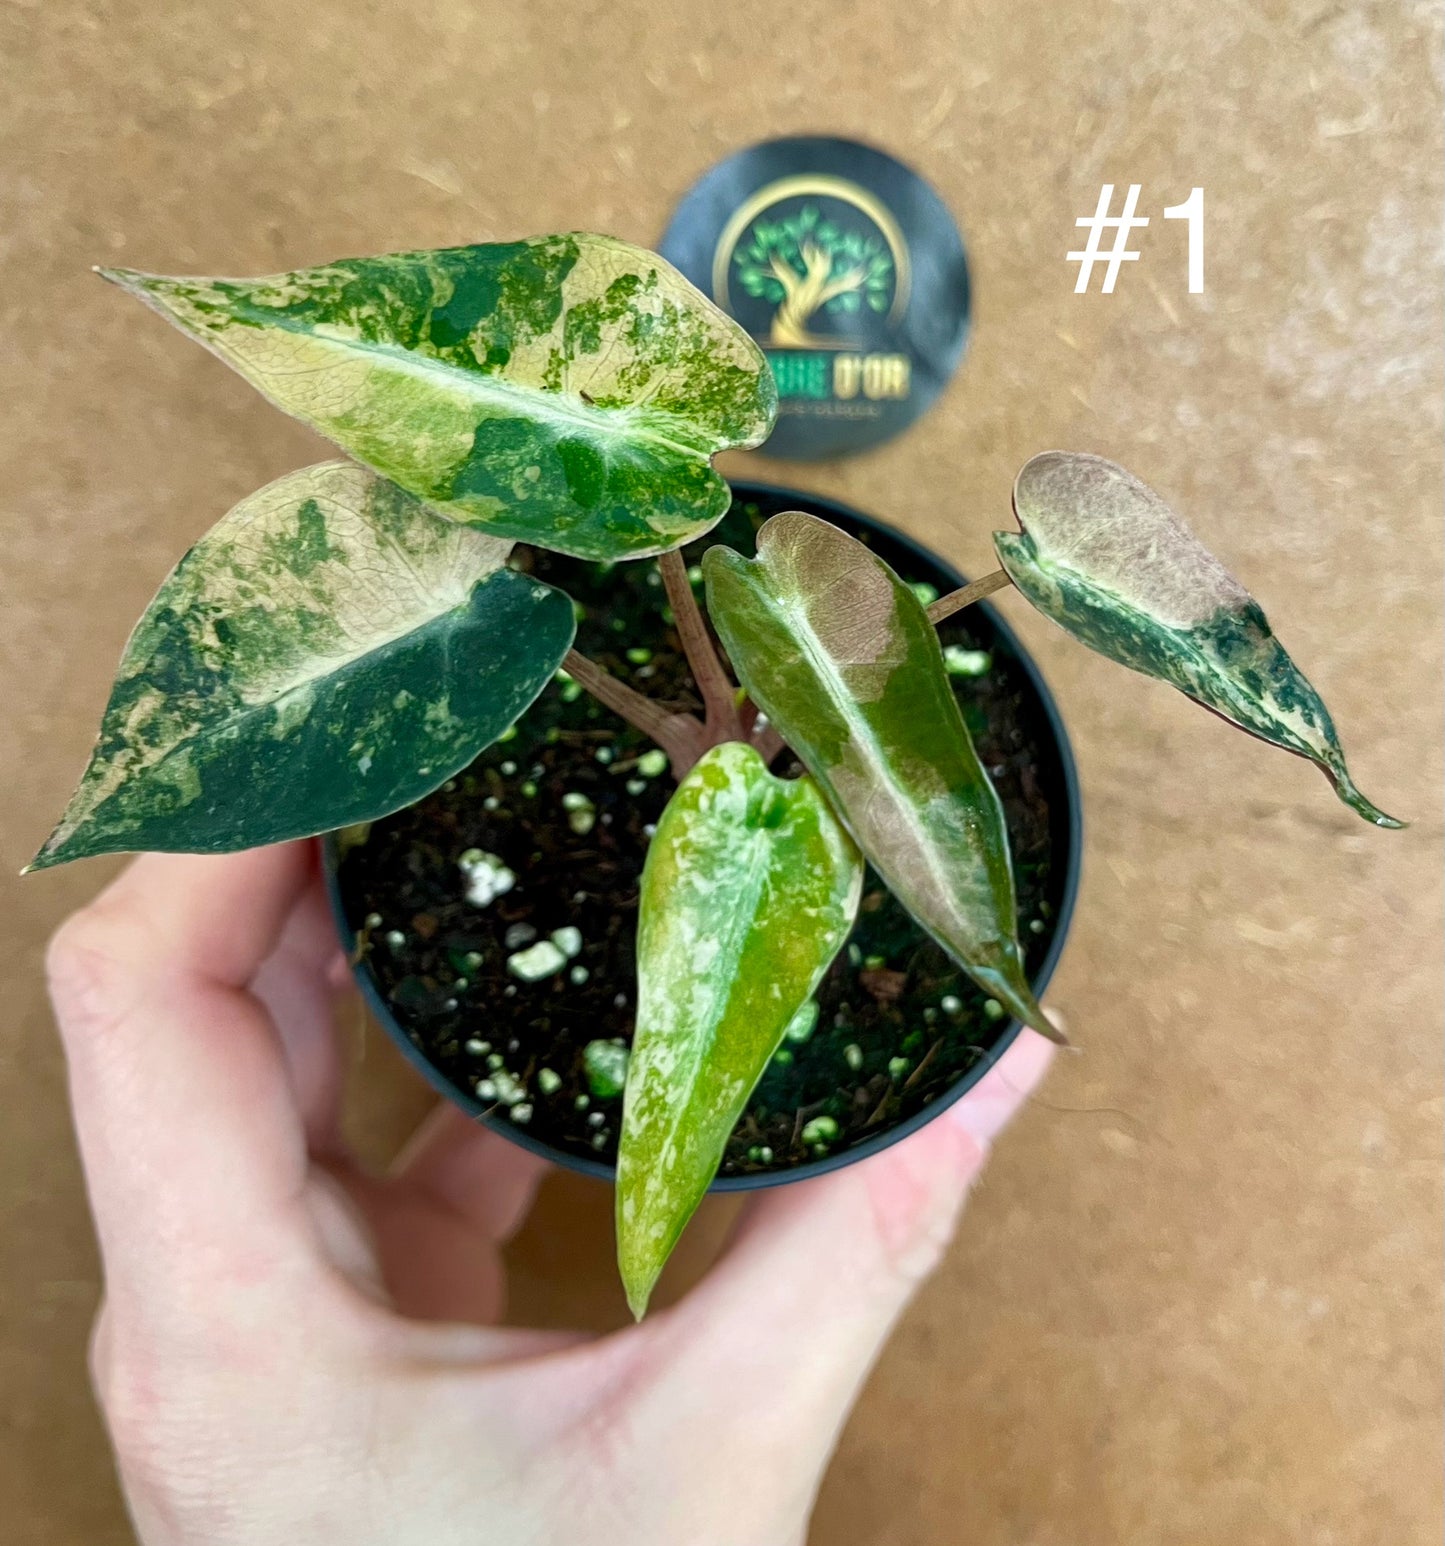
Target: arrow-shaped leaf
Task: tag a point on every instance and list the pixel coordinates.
(1103, 556)
(567, 391)
(329, 652)
(749, 890)
(840, 654)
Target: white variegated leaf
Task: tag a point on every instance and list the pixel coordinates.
(750, 888)
(329, 652)
(567, 391)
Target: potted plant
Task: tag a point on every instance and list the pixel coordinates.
(354, 648)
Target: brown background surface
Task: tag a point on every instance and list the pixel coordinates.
(1197, 1299)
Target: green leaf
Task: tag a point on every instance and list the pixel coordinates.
(330, 652)
(567, 391)
(1103, 556)
(840, 654)
(749, 890)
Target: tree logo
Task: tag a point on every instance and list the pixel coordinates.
(821, 254)
(804, 265)
(848, 270)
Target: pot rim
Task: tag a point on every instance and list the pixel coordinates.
(1072, 859)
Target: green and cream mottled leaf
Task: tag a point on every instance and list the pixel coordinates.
(750, 888)
(567, 391)
(840, 654)
(1103, 556)
(329, 652)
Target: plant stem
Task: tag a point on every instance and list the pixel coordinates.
(679, 735)
(719, 700)
(957, 600)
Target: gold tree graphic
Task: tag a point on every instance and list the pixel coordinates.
(806, 265)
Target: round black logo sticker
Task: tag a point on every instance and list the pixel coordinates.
(847, 269)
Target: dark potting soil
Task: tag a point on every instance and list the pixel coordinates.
(567, 803)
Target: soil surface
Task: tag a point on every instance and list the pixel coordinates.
(567, 803)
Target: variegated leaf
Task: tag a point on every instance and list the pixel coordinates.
(749, 890)
(567, 391)
(1104, 557)
(329, 652)
(840, 654)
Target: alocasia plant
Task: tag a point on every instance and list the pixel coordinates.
(348, 638)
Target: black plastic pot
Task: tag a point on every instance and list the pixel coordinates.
(1056, 772)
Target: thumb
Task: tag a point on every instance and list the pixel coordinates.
(791, 1319)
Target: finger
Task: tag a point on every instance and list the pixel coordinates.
(188, 1129)
(995, 1100)
(472, 1171)
(438, 1283)
(820, 1271)
(298, 984)
(433, 1264)
(97, 1360)
(436, 1220)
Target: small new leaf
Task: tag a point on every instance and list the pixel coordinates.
(749, 890)
(567, 391)
(328, 653)
(1103, 556)
(841, 656)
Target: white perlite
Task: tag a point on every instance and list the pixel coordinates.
(567, 940)
(581, 813)
(961, 662)
(541, 960)
(509, 1088)
(486, 876)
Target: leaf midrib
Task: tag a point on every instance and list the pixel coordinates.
(858, 726)
(558, 406)
(740, 921)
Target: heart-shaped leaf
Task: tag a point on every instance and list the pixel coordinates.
(840, 654)
(749, 890)
(566, 391)
(330, 651)
(1103, 556)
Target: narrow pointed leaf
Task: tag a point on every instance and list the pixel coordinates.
(329, 652)
(567, 391)
(750, 888)
(840, 654)
(1103, 556)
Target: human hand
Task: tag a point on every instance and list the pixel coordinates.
(293, 1351)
